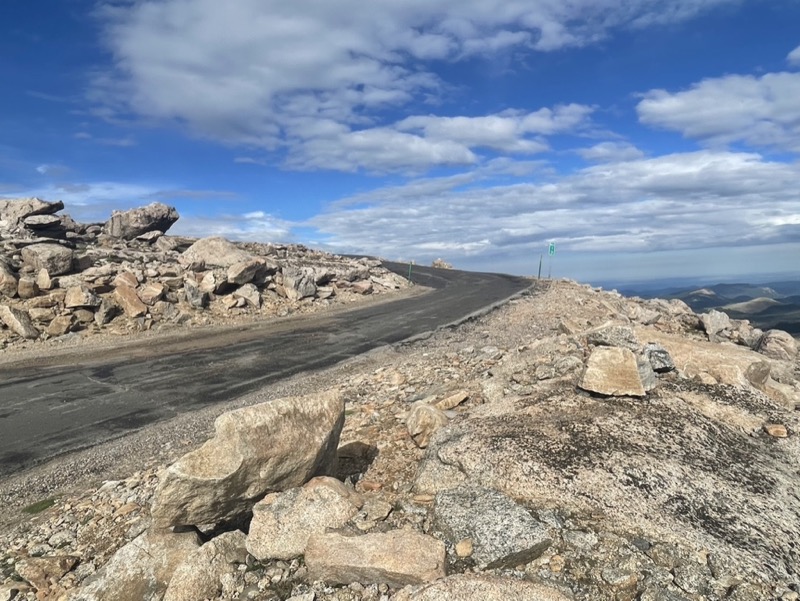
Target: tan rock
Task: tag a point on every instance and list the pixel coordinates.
(776, 430)
(777, 344)
(268, 447)
(80, 296)
(283, 522)
(362, 287)
(452, 401)
(214, 252)
(397, 558)
(612, 371)
(27, 288)
(131, 304)
(130, 224)
(151, 293)
(423, 421)
(56, 259)
(141, 570)
(8, 281)
(483, 587)
(464, 548)
(199, 576)
(42, 314)
(41, 572)
(126, 278)
(60, 325)
(43, 280)
(245, 271)
(18, 321)
(250, 294)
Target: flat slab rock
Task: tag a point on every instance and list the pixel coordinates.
(397, 558)
(612, 371)
(479, 587)
(267, 447)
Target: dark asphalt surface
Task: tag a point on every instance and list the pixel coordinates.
(58, 405)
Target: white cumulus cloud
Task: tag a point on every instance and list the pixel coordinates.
(759, 111)
(793, 58)
(264, 73)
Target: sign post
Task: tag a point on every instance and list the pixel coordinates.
(551, 250)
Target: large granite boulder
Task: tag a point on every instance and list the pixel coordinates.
(18, 321)
(283, 522)
(777, 344)
(16, 210)
(265, 448)
(130, 224)
(200, 574)
(141, 570)
(8, 281)
(214, 252)
(56, 259)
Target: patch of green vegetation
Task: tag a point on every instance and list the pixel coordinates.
(39, 506)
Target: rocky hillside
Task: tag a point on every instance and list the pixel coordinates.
(60, 279)
(571, 445)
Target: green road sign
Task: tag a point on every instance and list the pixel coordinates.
(552, 249)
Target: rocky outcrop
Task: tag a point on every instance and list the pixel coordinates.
(397, 558)
(269, 447)
(130, 224)
(777, 344)
(18, 321)
(145, 280)
(612, 371)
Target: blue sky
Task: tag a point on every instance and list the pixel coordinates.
(646, 138)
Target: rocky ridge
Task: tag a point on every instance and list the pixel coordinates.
(573, 444)
(62, 280)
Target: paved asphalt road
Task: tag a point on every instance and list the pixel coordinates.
(58, 405)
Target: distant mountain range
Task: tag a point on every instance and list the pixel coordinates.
(770, 305)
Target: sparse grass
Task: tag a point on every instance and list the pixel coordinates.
(39, 506)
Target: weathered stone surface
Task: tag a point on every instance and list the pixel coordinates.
(43, 280)
(504, 534)
(127, 298)
(776, 430)
(151, 293)
(646, 374)
(27, 288)
(126, 278)
(363, 287)
(195, 296)
(249, 293)
(777, 344)
(56, 259)
(659, 358)
(613, 335)
(612, 371)
(452, 401)
(42, 222)
(80, 296)
(60, 325)
(397, 558)
(15, 210)
(18, 321)
(283, 522)
(8, 281)
(199, 576)
(268, 447)
(715, 322)
(244, 272)
(41, 572)
(298, 283)
(480, 587)
(214, 252)
(105, 312)
(141, 570)
(422, 421)
(130, 224)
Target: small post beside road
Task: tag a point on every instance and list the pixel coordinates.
(540, 268)
(409, 272)
(551, 250)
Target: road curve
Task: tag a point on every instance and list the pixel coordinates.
(57, 406)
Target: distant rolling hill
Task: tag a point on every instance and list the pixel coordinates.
(767, 306)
